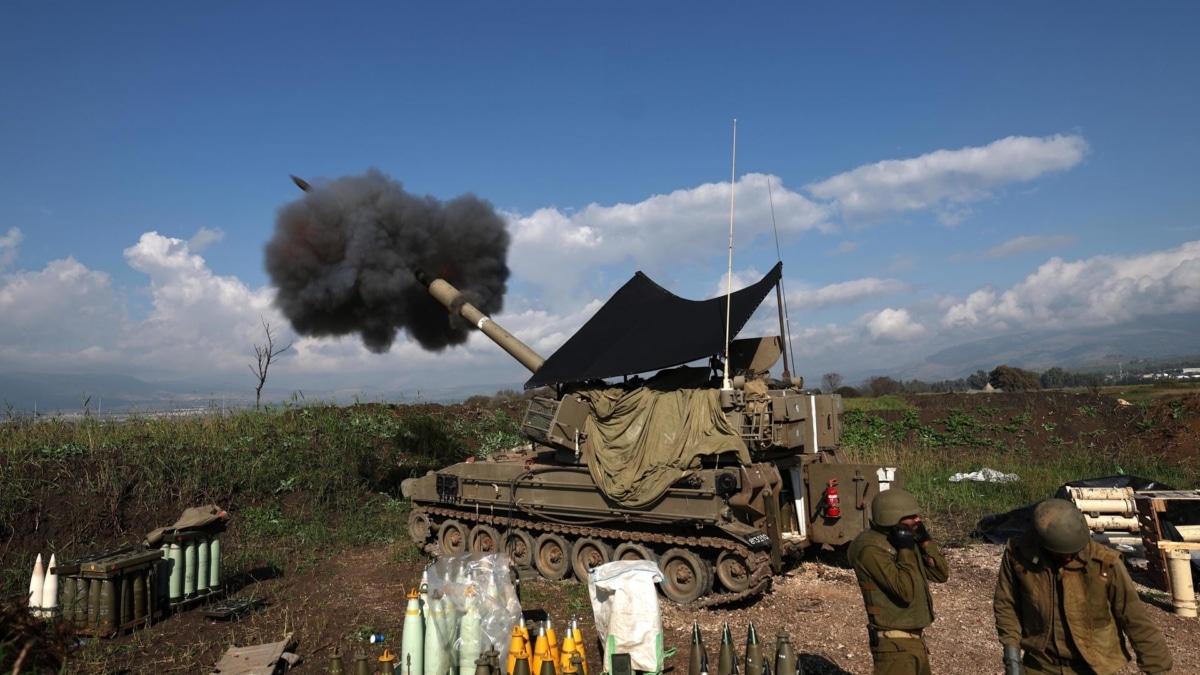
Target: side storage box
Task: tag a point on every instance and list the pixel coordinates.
(110, 592)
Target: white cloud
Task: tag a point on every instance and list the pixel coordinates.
(1027, 244)
(947, 180)
(844, 293)
(204, 238)
(728, 283)
(8, 247)
(218, 317)
(555, 250)
(1098, 291)
(569, 262)
(811, 347)
(893, 325)
(62, 314)
(69, 316)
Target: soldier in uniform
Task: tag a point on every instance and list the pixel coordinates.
(1066, 600)
(894, 561)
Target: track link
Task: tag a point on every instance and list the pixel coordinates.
(758, 561)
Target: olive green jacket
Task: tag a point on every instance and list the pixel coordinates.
(895, 583)
(1098, 604)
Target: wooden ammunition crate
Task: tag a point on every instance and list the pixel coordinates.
(110, 592)
(1151, 504)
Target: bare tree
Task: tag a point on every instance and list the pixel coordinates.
(881, 385)
(264, 355)
(830, 382)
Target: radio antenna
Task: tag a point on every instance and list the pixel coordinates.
(785, 322)
(726, 383)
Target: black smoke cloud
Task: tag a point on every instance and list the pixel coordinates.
(342, 259)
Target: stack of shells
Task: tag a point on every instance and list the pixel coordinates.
(786, 662)
(451, 628)
(191, 565)
(43, 588)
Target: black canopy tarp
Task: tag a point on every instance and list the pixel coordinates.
(645, 327)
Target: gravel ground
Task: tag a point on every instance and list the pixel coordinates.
(821, 608)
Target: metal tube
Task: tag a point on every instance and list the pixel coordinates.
(1125, 507)
(1125, 538)
(1183, 593)
(1112, 522)
(1077, 493)
(1190, 533)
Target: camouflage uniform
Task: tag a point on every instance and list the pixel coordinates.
(895, 588)
(1069, 618)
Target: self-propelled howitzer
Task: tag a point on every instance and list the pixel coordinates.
(715, 484)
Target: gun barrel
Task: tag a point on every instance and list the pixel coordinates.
(453, 299)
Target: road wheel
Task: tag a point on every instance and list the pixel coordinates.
(518, 544)
(552, 556)
(632, 551)
(452, 537)
(733, 571)
(685, 576)
(419, 527)
(484, 539)
(588, 553)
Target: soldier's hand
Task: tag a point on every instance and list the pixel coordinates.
(922, 533)
(1012, 661)
(901, 537)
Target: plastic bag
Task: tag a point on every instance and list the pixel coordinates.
(625, 605)
(472, 589)
(984, 475)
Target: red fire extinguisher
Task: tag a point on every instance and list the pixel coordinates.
(833, 503)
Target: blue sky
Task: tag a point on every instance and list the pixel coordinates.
(939, 172)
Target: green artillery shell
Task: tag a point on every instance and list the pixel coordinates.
(214, 562)
(139, 595)
(189, 567)
(202, 564)
(94, 600)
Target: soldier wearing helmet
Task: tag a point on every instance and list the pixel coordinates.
(894, 561)
(1065, 600)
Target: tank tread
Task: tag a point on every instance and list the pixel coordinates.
(759, 561)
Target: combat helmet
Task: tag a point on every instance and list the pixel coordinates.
(890, 506)
(1061, 527)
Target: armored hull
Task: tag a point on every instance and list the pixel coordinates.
(719, 532)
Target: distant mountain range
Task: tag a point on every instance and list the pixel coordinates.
(1171, 337)
(25, 393)
(1080, 349)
